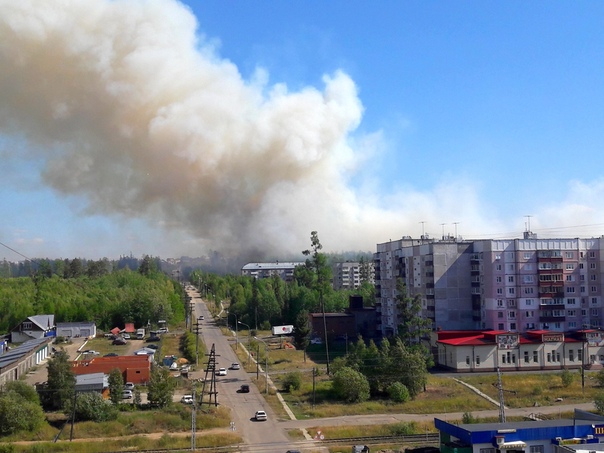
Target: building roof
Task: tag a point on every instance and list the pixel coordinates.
(275, 265)
(91, 379)
(129, 327)
(489, 337)
(75, 324)
(18, 352)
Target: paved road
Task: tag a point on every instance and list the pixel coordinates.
(268, 435)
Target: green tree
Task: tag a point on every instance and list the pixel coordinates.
(161, 387)
(91, 406)
(18, 414)
(318, 263)
(147, 266)
(350, 385)
(567, 378)
(398, 392)
(302, 330)
(60, 387)
(412, 325)
(116, 386)
(23, 389)
(292, 381)
(600, 378)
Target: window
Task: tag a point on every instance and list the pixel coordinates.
(593, 277)
(529, 290)
(500, 326)
(510, 279)
(558, 326)
(557, 357)
(579, 355)
(535, 357)
(592, 265)
(571, 355)
(499, 279)
(500, 303)
(500, 314)
(526, 357)
(511, 315)
(502, 358)
(477, 360)
(529, 314)
(570, 266)
(583, 289)
(569, 255)
(570, 278)
(510, 268)
(529, 302)
(527, 256)
(536, 449)
(592, 254)
(511, 291)
(594, 300)
(499, 290)
(498, 257)
(571, 301)
(571, 313)
(581, 266)
(498, 267)
(570, 289)
(528, 266)
(511, 302)
(549, 357)
(468, 360)
(27, 325)
(594, 312)
(583, 312)
(572, 324)
(558, 313)
(513, 326)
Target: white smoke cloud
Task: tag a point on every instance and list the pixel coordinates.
(126, 106)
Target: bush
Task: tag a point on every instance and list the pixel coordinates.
(91, 406)
(468, 418)
(350, 385)
(600, 377)
(398, 392)
(19, 414)
(599, 403)
(292, 381)
(567, 378)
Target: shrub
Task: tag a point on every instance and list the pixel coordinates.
(91, 406)
(292, 381)
(398, 392)
(468, 418)
(350, 385)
(600, 377)
(599, 403)
(537, 390)
(567, 378)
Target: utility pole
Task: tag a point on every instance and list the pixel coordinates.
(501, 402)
(197, 332)
(193, 422)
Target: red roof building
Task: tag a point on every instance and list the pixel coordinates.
(136, 369)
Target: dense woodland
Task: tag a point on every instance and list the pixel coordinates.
(109, 298)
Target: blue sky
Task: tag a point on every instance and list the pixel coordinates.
(246, 125)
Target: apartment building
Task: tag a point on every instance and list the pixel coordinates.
(350, 274)
(514, 285)
(284, 270)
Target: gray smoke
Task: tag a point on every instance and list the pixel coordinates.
(122, 102)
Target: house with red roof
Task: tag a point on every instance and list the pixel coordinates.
(489, 350)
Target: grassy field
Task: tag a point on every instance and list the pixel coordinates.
(524, 390)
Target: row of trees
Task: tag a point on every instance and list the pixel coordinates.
(110, 300)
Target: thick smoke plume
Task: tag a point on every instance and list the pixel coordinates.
(125, 105)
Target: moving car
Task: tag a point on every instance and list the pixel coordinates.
(119, 341)
(126, 394)
(222, 372)
(244, 389)
(201, 318)
(261, 416)
(187, 399)
(235, 366)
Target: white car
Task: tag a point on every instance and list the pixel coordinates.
(261, 416)
(126, 394)
(126, 336)
(91, 352)
(187, 399)
(129, 386)
(222, 372)
(235, 366)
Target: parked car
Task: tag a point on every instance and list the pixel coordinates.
(153, 346)
(235, 366)
(222, 372)
(119, 341)
(92, 352)
(126, 394)
(261, 416)
(129, 386)
(126, 336)
(244, 389)
(162, 330)
(153, 338)
(187, 399)
(111, 354)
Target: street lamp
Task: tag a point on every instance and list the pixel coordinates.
(249, 334)
(236, 331)
(266, 366)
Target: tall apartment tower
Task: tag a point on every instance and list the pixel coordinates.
(513, 284)
(350, 274)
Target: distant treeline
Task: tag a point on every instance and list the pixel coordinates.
(92, 291)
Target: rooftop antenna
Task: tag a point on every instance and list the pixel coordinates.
(423, 232)
(455, 223)
(528, 223)
(443, 225)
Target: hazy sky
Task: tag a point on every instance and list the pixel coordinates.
(168, 128)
